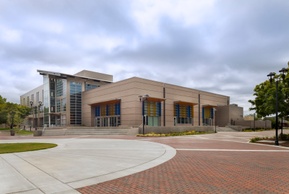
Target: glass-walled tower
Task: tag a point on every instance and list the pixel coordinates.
(54, 100)
(63, 95)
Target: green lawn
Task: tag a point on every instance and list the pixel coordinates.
(24, 147)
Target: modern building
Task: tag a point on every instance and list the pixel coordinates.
(92, 99)
(58, 102)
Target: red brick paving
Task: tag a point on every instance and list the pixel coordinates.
(197, 171)
(207, 171)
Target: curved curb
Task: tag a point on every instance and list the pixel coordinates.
(168, 154)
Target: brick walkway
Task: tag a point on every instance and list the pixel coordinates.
(208, 166)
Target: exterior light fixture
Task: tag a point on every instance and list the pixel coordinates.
(272, 77)
(143, 99)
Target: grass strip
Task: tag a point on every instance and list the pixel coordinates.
(24, 147)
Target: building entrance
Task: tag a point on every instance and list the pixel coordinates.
(112, 121)
(107, 114)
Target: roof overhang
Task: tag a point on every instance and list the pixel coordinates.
(114, 101)
(209, 106)
(185, 103)
(153, 99)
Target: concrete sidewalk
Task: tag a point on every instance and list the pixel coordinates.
(77, 162)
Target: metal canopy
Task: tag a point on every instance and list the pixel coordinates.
(65, 76)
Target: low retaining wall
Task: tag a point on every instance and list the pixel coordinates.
(150, 129)
(255, 124)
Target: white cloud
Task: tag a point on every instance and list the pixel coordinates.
(96, 41)
(9, 35)
(220, 46)
(149, 13)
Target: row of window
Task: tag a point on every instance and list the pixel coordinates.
(107, 109)
(109, 121)
(75, 103)
(26, 101)
(152, 109)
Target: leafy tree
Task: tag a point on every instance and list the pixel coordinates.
(265, 97)
(12, 113)
(3, 117)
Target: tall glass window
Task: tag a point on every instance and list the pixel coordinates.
(28, 102)
(75, 103)
(32, 98)
(52, 86)
(108, 115)
(61, 95)
(152, 112)
(183, 113)
(208, 115)
(46, 100)
(37, 97)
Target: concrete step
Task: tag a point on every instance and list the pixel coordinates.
(53, 132)
(225, 129)
(90, 131)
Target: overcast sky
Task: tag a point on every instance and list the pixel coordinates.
(220, 46)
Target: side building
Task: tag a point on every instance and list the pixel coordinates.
(92, 99)
(136, 101)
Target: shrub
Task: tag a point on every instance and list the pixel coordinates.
(256, 139)
(284, 137)
(152, 134)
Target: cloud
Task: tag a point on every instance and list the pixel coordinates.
(224, 46)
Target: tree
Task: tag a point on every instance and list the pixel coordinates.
(265, 97)
(3, 117)
(12, 113)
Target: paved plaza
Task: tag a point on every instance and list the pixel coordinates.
(214, 163)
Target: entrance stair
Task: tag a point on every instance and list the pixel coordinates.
(225, 129)
(89, 131)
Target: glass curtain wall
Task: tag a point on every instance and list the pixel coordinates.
(61, 85)
(46, 101)
(54, 101)
(75, 103)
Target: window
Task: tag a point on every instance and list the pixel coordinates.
(152, 112)
(37, 97)
(183, 113)
(28, 102)
(75, 103)
(108, 115)
(90, 86)
(208, 115)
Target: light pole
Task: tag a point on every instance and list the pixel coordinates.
(31, 104)
(143, 99)
(271, 77)
(215, 110)
(39, 105)
(12, 114)
(283, 72)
